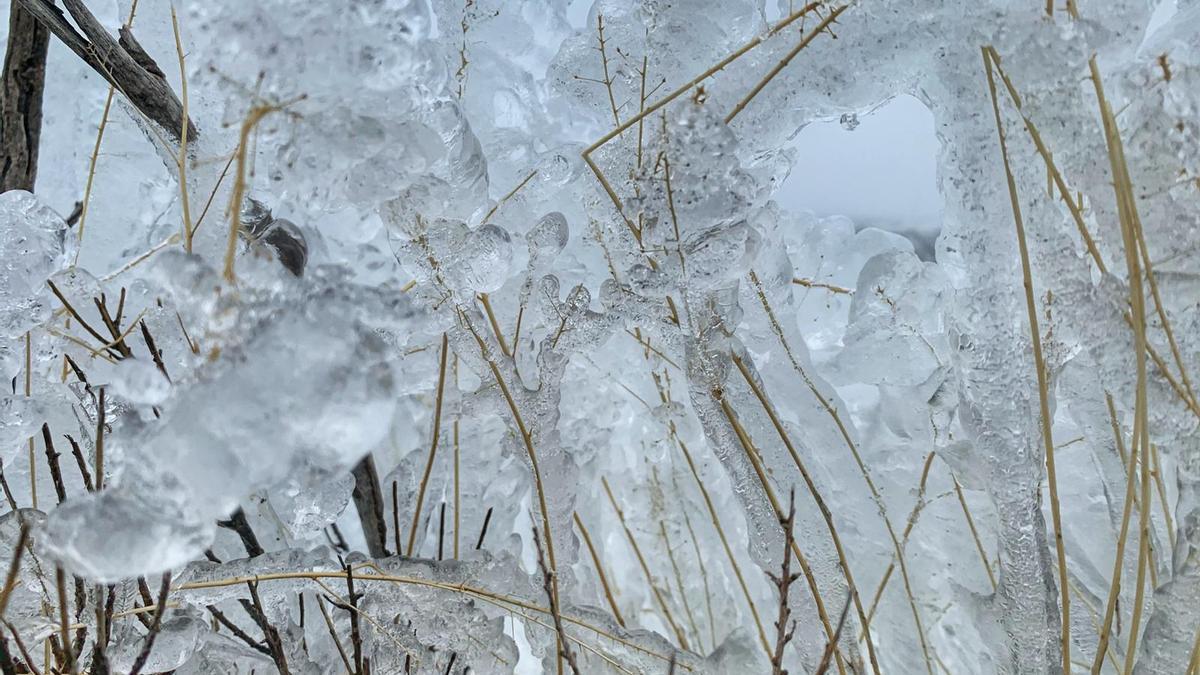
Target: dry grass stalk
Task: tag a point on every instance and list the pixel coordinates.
(1184, 392)
(1043, 384)
(720, 65)
(912, 521)
(716, 521)
(433, 445)
(604, 583)
(783, 63)
(637, 550)
(712, 627)
(983, 557)
(687, 606)
(809, 283)
(1130, 228)
(755, 458)
(181, 160)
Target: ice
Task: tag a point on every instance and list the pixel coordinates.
(140, 382)
(34, 244)
(517, 268)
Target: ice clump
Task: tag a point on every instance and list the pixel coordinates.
(463, 272)
(34, 244)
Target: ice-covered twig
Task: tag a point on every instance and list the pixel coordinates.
(148, 644)
(548, 585)
(783, 585)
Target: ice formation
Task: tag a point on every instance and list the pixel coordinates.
(460, 337)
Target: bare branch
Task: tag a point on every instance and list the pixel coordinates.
(132, 72)
(21, 86)
(548, 584)
(368, 500)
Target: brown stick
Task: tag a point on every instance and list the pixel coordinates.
(237, 523)
(144, 655)
(146, 91)
(254, 608)
(368, 500)
(236, 630)
(52, 460)
(21, 88)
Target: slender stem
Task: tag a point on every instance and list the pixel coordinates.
(1043, 385)
(756, 461)
(783, 63)
(1130, 226)
(433, 445)
(183, 139)
(608, 593)
(1114, 589)
(637, 550)
(716, 521)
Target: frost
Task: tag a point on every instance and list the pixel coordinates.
(463, 273)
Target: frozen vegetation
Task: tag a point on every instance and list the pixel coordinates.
(452, 337)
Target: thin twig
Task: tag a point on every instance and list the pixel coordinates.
(337, 642)
(608, 593)
(433, 445)
(236, 630)
(238, 524)
(548, 585)
(14, 566)
(148, 643)
(783, 585)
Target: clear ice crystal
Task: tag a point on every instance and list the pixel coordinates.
(546, 285)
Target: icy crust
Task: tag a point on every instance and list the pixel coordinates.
(645, 351)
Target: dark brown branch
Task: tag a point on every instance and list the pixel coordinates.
(236, 631)
(14, 567)
(355, 629)
(441, 529)
(337, 642)
(138, 53)
(28, 658)
(82, 462)
(548, 584)
(21, 87)
(6, 662)
(52, 460)
(118, 341)
(141, 661)
(146, 91)
(155, 353)
(487, 518)
(255, 609)
(238, 523)
(396, 516)
(368, 500)
(78, 317)
(104, 620)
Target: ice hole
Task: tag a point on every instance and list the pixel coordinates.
(877, 168)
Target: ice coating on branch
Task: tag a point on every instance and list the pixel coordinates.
(482, 323)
